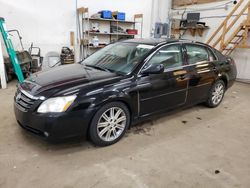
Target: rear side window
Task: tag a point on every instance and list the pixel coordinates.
(211, 55)
(196, 54)
(219, 55)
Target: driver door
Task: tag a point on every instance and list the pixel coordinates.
(160, 92)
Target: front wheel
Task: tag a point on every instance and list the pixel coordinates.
(109, 124)
(216, 94)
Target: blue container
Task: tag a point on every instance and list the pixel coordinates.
(121, 16)
(106, 14)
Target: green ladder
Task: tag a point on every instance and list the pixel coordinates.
(11, 51)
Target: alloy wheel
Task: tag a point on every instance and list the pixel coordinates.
(217, 93)
(111, 124)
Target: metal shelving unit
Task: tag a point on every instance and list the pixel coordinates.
(99, 33)
(85, 33)
(110, 20)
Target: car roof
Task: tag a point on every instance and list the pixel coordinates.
(149, 41)
(154, 42)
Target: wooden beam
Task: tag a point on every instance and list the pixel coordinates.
(177, 3)
(82, 10)
(244, 46)
(137, 16)
(248, 15)
(72, 38)
(224, 22)
(226, 28)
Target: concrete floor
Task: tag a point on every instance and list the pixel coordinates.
(197, 147)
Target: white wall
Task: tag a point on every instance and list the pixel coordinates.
(47, 23)
(212, 14)
(160, 13)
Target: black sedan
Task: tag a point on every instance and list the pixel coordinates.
(120, 85)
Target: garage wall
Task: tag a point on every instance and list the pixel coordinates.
(48, 23)
(214, 14)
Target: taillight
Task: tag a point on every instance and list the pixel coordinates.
(231, 61)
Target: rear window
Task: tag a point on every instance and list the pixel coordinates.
(212, 57)
(196, 53)
(219, 55)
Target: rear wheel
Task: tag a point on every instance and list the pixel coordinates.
(109, 124)
(216, 94)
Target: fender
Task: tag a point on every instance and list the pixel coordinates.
(125, 92)
(224, 77)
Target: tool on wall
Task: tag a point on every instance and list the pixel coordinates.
(10, 50)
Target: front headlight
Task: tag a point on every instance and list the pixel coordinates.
(56, 104)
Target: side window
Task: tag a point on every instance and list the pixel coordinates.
(211, 55)
(169, 56)
(196, 54)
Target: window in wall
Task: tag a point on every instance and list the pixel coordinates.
(196, 54)
(169, 56)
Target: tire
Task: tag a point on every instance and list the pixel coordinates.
(105, 130)
(216, 94)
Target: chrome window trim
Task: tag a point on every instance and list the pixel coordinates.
(183, 66)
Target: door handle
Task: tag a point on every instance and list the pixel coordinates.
(214, 68)
(181, 77)
(180, 73)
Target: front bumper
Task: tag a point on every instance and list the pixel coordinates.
(55, 126)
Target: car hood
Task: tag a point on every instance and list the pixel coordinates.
(64, 77)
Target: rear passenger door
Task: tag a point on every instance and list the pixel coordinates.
(201, 67)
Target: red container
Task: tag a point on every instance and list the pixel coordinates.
(132, 31)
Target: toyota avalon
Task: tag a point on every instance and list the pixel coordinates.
(119, 85)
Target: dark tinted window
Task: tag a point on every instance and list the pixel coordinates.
(196, 53)
(219, 55)
(118, 57)
(169, 56)
(211, 55)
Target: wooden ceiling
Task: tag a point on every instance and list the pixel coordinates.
(177, 3)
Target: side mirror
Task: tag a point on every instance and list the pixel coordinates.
(153, 69)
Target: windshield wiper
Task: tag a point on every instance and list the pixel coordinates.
(98, 67)
(105, 69)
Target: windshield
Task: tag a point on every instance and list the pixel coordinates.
(118, 57)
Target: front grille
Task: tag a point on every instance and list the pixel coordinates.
(23, 101)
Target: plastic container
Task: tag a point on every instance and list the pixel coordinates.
(132, 31)
(95, 41)
(119, 15)
(106, 14)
